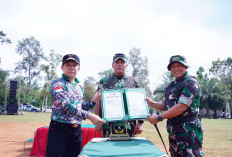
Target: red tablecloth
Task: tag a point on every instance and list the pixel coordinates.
(40, 140)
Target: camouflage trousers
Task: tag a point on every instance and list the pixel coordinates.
(186, 140)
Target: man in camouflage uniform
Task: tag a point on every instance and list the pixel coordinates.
(68, 111)
(118, 80)
(210, 114)
(218, 113)
(204, 113)
(181, 106)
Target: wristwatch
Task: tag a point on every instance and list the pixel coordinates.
(160, 118)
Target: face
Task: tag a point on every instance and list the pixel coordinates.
(178, 70)
(70, 69)
(119, 67)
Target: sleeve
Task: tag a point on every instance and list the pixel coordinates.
(163, 101)
(62, 101)
(88, 105)
(190, 91)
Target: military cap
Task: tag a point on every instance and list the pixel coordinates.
(179, 59)
(71, 57)
(119, 55)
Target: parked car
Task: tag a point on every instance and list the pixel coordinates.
(48, 109)
(26, 107)
(34, 109)
(30, 108)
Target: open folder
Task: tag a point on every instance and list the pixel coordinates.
(124, 104)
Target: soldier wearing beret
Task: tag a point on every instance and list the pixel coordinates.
(118, 80)
(181, 107)
(68, 111)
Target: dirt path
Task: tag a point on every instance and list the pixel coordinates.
(12, 137)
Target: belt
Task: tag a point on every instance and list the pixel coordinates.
(64, 124)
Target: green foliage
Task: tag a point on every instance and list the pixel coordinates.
(222, 71)
(139, 68)
(50, 69)
(32, 54)
(31, 51)
(3, 75)
(160, 90)
(106, 73)
(210, 93)
(3, 38)
(89, 87)
(33, 97)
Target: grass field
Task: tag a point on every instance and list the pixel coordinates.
(217, 132)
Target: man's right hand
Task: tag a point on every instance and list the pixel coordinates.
(99, 128)
(150, 102)
(96, 120)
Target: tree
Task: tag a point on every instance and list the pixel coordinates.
(106, 73)
(222, 71)
(3, 38)
(50, 71)
(139, 68)
(3, 76)
(89, 87)
(210, 93)
(32, 54)
(159, 92)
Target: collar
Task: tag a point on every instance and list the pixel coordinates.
(120, 77)
(183, 77)
(67, 79)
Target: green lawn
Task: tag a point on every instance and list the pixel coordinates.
(217, 132)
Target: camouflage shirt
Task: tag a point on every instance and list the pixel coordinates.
(186, 91)
(115, 82)
(68, 105)
(185, 130)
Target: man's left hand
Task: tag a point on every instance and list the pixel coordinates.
(97, 97)
(153, 119)
(138, 128)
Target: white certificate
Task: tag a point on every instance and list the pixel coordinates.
(137, 106)
(112, 105)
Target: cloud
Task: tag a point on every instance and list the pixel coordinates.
(96, 30)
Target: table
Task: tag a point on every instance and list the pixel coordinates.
(136, 147)
(40, 140)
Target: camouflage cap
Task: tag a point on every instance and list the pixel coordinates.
(119, 55)
(179, 59)
(71, 57)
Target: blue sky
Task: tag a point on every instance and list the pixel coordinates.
(97, 29)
